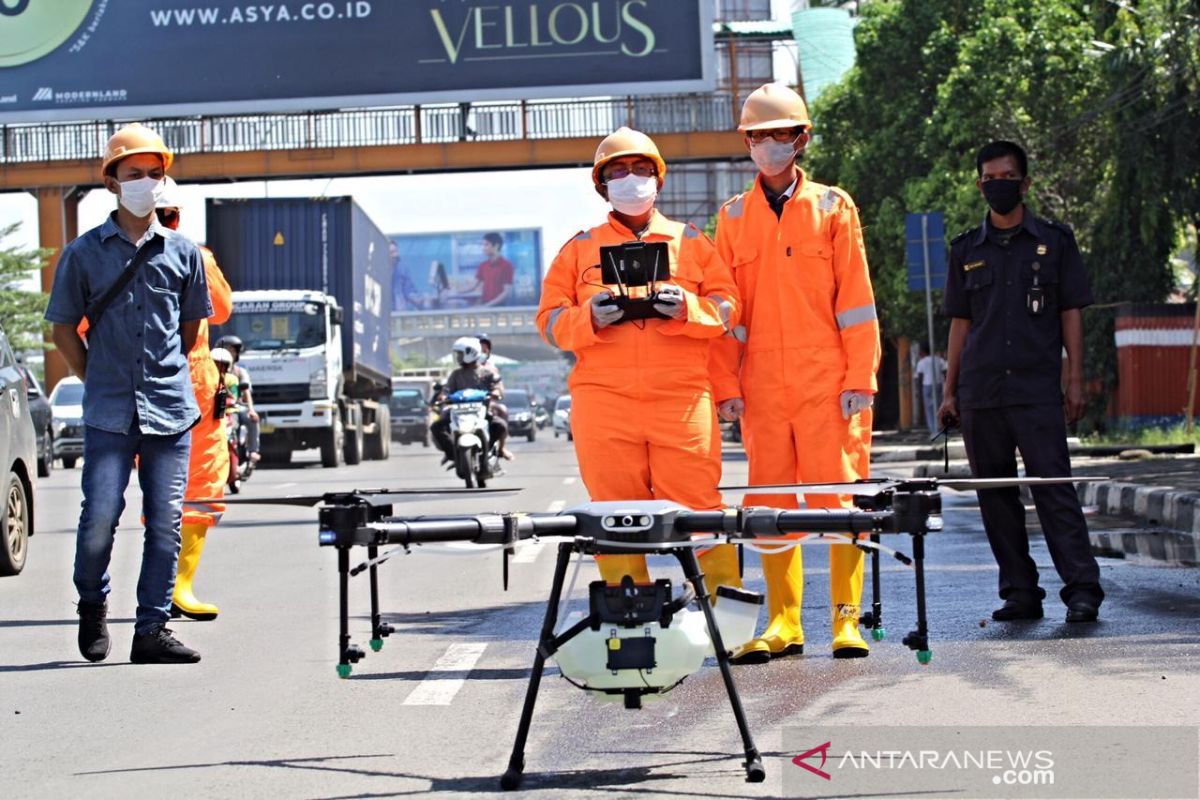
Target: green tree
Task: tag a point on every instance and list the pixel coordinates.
(21, 309)
(1103, 96)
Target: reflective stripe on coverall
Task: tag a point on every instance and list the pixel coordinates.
(810, 333)
(643, 415)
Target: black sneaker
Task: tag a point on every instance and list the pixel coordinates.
(160, 647)
(94, 644)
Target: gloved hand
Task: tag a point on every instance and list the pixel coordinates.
(670, 302)
(854, 402)
(731, 409)
(604, 315)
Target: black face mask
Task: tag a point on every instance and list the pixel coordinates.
(1002, 194)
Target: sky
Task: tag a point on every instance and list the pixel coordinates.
(559, 201)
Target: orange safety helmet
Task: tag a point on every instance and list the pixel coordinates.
(773, 105)
(133, 139)
(627, 142)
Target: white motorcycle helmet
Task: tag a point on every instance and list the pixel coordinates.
(467, 350)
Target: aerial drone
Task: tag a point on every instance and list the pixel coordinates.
(637, 640)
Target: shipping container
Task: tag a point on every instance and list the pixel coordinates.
(326, 244)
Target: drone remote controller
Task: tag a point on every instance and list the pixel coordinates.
(636, 308)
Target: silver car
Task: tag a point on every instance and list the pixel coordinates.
(18, 458)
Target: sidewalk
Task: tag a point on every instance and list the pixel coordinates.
(1157, 491)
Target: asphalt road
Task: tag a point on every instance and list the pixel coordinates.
(264, 715)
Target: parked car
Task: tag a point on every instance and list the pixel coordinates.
(43, 422)
(562, 417)
(520, 414)
(410, 415)
(66, 407)
(18, 463)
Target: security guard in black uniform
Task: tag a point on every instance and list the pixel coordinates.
(1014, 291)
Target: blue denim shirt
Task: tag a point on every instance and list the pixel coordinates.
(136, 367)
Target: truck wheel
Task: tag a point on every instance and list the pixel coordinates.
(354, 437)
(532, 433)
(332, 445)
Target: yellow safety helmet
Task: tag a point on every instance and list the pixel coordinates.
(627, 142)
(133, 139)
(773, 105)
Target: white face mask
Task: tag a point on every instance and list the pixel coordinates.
(633, 194)
(773, 158)
(142, 195)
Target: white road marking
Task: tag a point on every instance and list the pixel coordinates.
(557, 506)
(435, 691)
(285, 485)
(569, 481)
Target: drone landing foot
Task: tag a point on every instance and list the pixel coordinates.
(691, 572)
(511, 779)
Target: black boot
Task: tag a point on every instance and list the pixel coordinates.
(94, 644)
(160, 647)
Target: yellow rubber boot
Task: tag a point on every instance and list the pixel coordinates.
(184, 602)
(614, 567)
(784, 636)
(845, 595)
(720, 568)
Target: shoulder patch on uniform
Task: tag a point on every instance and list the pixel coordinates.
(735, 205)
(690, 231)
(828, 200)
(582, 236)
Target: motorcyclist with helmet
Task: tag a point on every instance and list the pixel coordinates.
(246, 413)
(471, 375)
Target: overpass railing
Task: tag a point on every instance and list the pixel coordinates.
(418, 124)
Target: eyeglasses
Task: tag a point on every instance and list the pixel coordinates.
(621, 171)
(781, 135)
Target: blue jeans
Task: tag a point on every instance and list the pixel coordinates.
(162, 473)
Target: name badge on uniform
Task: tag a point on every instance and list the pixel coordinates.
(1041, 249)
(973, 265)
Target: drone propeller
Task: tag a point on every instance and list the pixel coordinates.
(872, 488)
(374, 497)
(868, 488)
(974, 484)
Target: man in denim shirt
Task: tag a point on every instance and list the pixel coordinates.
(138, 398)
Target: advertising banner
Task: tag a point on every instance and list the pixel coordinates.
(99, 59)
(476, 269)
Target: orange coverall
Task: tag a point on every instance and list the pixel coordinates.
(643, 415)
(810, 332)
(208, 466)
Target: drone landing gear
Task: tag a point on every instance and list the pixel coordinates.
(548, 644)
(919, 639)
(348, 653)
(873, 619)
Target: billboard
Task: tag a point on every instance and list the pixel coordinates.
(463, 270)
(99, 59)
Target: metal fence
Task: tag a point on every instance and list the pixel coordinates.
(504, 121)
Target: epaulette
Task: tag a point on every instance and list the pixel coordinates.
(690, 231)
(1061, 226)
(964, 235)
(579, 237)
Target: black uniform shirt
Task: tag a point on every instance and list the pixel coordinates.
(1011, 356)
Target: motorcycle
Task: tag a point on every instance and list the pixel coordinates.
(241, 466)
(476, 456)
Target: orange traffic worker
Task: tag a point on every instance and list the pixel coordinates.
(643, 415)
(800, 369)
(208, 464)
